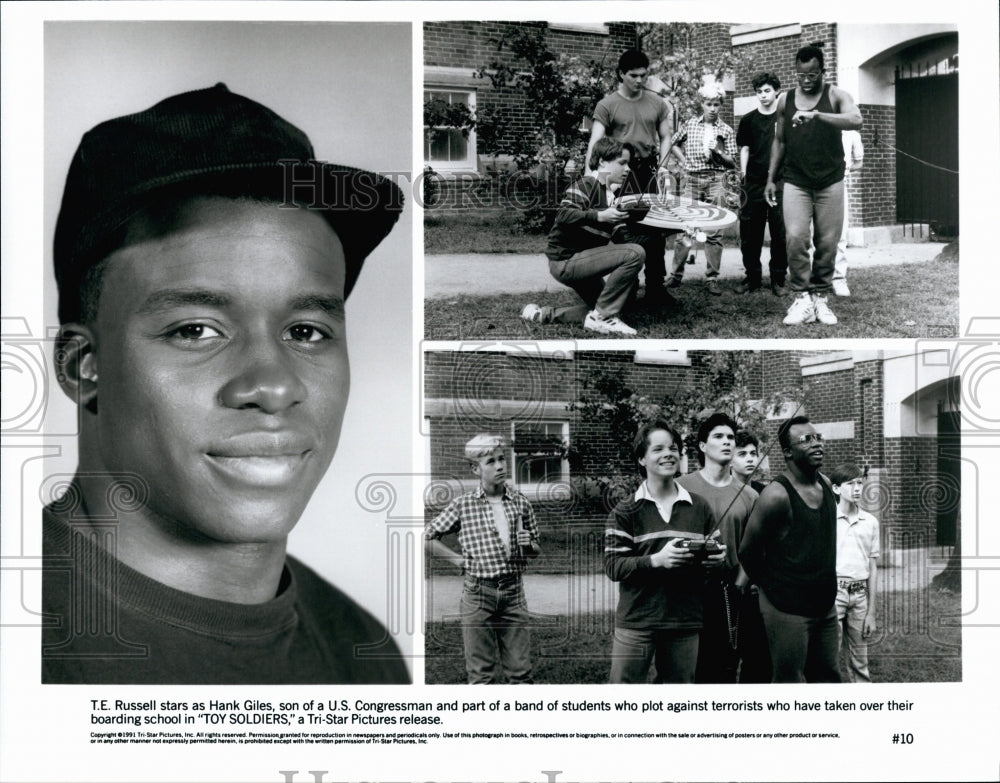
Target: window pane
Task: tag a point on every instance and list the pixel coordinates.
(536, 450)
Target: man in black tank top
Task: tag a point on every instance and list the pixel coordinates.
(807, 146)
(789, 551)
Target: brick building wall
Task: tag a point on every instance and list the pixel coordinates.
(777, 55)
(873, 200)
(904, 470)
(907, 500)
(473, 45)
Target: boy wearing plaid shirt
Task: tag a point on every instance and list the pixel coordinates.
(497, 533)
(857, 551)
(706, 148)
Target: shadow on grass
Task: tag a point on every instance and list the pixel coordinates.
(919, 640)
(908, 300)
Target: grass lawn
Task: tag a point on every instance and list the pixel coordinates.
(919, 640)
(905, 300)
(492, 231)
(478, 231)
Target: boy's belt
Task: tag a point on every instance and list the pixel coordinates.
(853, 585)
(500, 582)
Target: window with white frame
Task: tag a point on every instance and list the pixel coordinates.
(448, 147)
(539, 452)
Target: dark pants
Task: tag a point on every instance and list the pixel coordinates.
(755, 658)
(642, 179)
(803, 649)
(717, 659)
(754, 216)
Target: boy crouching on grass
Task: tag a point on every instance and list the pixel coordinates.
(857, 553)
(497, 533)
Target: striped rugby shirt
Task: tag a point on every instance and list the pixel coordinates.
(576, 227)
(652, 598)
(483, 553)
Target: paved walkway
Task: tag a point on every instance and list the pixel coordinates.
(585, 594)
(479, 274)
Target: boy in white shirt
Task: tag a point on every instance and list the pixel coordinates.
(857, 563)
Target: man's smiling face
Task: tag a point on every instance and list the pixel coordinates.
(220, 353)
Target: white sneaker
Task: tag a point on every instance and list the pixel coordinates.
(840, 287)
(611, 325)
(536, 314)
(801, 310)
(823, 313)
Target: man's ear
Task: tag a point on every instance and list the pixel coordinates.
(76, 364)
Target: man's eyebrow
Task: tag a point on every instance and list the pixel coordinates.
(161, 301)
(332, 306)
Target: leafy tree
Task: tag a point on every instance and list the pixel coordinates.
(561, 92)
(725, 386)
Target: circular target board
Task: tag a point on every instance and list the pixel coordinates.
(684, 213)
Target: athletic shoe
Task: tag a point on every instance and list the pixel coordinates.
(713, 287)
(611, 325)
(747, 286)
(823, 313)
(674, 282)
(801, 310)
(690, 260)
(779, 289)
(840, 287)
(536, 314)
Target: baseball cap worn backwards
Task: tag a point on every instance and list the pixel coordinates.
(207, 142)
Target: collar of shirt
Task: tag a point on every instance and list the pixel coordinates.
(682, 496)
(860, 515)
(481, 493)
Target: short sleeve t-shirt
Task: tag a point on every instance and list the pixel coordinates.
(633, 120)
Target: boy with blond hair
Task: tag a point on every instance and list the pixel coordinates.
(497, 534)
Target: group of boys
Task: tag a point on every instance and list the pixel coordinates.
(722, 579)
(790, 154)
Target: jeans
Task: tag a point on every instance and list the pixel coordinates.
(654, 244)
(495, 630)
(675, 653)
(821, 211)
(584, 273)
(852, 608)
(803, 649)
(755, 215)
(703, 186)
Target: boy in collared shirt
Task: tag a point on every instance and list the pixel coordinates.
(662, 582)
(857, 558)
(497, 533)
(706, 148)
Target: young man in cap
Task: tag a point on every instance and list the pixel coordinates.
(203, 258)
(808, 149)
(789, 550)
